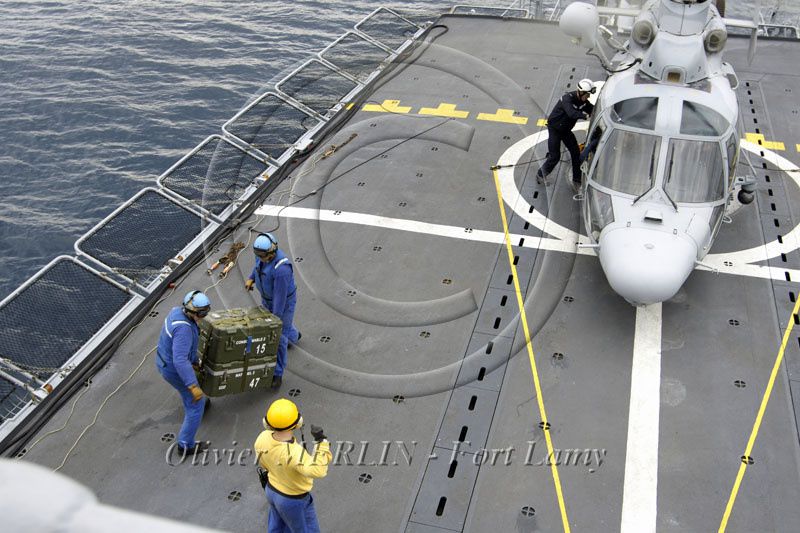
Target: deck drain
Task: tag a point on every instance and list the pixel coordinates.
(235, 496)
(527, 511)
(351, 293)
(384, 156)
(467, 230)
(87, 382)
(372, 125)
(398, 398)
(167, 437)
(376, 248)
(298, 259)
(424, 334)
(544, 425)
(569, 299)
(746, 459)
(402, 204)
(728, 263)
(294, 393)
(22, 453)
(739, 384)
(733, 322)
(324, 339)
(558, 356)
(434, 148)
(337, 212)
(360, 184)
(152, 313)
(365, 478)
(506, 138)
(481, 199)
(447, 281)
(420, 174)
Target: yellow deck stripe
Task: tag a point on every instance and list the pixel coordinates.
(524, 319)
(754, 433)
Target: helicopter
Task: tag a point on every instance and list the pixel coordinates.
(662, 142)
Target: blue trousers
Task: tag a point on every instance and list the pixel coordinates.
(192, 412)
(288, 334)
(290, 515)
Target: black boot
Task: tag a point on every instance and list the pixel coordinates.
(276, 382)
(199, 447)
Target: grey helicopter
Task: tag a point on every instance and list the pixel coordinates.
(662, 142)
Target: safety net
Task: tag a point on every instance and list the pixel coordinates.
(317, 86)
(387, 27)
(355, 55)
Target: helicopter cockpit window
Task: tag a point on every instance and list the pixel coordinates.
(628, 161)
(695, 171)
(698, 119)
(636, 112)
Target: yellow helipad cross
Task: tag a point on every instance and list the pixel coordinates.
(444, 110)
(503, 115)
(388, 106)
(541, 122)
(758, 138)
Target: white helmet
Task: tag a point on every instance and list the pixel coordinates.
(586, 86)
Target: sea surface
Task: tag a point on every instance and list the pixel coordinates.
(99, 97)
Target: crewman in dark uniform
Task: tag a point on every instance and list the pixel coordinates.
(572, 107)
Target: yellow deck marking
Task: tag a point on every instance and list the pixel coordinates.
(758, 138)
(444, 110)
(388, 106)
(798, 147)
(503, 115)
(754, 433)
(531, 358)
(541, 122)
(349, 106)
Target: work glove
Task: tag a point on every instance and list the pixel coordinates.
(249, 284)
(197, 393)
(318, 433)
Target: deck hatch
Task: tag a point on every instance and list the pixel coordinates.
(49, 320)
(316, 86)
(387, 27)
(142, 236)
(355, 55)
(213, 175)
(270, 125)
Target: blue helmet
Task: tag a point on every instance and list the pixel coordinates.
(197, 302)
(265, 242)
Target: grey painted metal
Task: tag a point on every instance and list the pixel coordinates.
(468, 9)
(382, 381)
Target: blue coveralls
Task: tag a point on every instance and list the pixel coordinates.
(275, 282)
(176, 353)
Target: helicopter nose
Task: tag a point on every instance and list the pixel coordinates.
(646, 266)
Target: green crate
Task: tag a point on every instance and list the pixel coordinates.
(258, 373)
(232, 335)
(222, 379)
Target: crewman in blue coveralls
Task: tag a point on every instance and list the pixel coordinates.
(274, 277)
(176, 358)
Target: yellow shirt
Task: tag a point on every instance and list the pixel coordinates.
(291, 468)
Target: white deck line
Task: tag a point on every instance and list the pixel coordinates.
(496, 237)
(640, 494)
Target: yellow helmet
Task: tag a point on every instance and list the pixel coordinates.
(282, 415)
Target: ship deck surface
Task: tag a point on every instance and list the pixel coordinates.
(404, 280)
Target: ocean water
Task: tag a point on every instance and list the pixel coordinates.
(98, 97)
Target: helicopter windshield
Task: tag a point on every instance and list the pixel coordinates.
(628, 162)
(694, 171)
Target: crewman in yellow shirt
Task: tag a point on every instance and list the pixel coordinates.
(291, 470)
